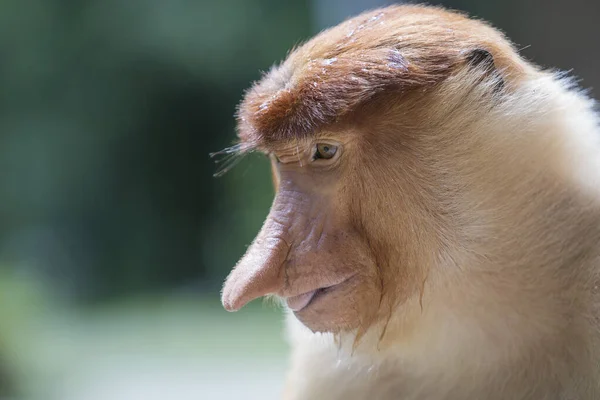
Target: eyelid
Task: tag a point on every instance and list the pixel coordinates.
(306, 154)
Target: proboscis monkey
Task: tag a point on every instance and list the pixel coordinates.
(436, 228)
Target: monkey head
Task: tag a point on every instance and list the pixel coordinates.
(370, 128)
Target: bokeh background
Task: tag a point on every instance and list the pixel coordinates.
(114, 237)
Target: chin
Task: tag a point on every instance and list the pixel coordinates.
(344, 307)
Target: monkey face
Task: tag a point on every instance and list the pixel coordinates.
(310, 251)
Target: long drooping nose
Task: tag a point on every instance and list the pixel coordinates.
(260, 271)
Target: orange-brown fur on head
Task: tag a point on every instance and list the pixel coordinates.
(463, 214)
(397, 49)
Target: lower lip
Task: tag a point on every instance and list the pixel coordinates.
(297, 303)
(300, 302)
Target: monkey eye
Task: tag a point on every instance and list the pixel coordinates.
(325, 151)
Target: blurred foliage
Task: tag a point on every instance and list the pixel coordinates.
(58, 351)
(108, 112)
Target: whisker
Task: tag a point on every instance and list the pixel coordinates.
(229, 158)
(524, 48)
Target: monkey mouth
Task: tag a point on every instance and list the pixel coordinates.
(297, 303)
(302, 301)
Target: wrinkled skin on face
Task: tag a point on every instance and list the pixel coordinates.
(311, 251)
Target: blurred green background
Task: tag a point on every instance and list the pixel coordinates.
(115, 238)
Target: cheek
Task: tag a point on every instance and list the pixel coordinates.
(388, 210)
